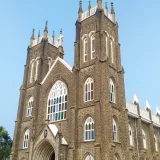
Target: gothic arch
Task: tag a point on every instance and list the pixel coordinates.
(44, 151)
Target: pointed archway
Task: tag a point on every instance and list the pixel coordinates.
(44, 151)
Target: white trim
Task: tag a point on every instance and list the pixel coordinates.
(64, 142)
(91, 33)
(54, 129)
(84, 36)
(93, 51)
(57, 59)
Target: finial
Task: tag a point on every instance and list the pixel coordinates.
(99, 3)
(32, 37)
(61, 31)
(147, 107)
(53, 37)
(106, 6)
(39, 34)
(46, 27)
(135, 100)
(60, 39)
(80, 5)
(157, 111)
(112, 8)
(89, 7)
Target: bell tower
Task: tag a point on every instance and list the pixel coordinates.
(97, 56)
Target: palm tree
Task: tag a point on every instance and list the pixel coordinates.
(5, 144)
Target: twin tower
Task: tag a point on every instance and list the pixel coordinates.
(79, 112)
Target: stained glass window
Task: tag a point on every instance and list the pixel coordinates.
(130, 136)
(85, 50)
(30, 107)
(89, 157)
(89, 89)
(93, 46)
(114, 130)
(57, 102)
(89, 134)
(144, 139)
(26, 139)
(112, 91)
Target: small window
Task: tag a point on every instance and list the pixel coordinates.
(106, 46)
(92, 46)
(85, 50)
(37, 65)
(112, 91)
(30, 107)
(112, 52)
(89, 90)
(89, 157)
(26, 139)
(144, 139)
(130, 136)
(89, 130)
(114, 131)
(156, 143)
(31, 71)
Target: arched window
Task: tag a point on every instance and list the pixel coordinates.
(144, 139)
(156, 143)
(130, 136)
(30, 107)
(112, 91)
(37, 65)
(26, 139)
(89, 157)
(112, 51)
(89, 129)
(57, 102)
(115, 137)
(93, 46)
(31, 71)
(85, 47)
(89, 89)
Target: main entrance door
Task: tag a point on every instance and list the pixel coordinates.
(44, 151)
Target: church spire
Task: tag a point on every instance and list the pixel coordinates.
(112, 8)
(99, 3)
(80, 11)
(53, 37)
(89, 7)
(106, 7)
(32, 37)
(46, 30)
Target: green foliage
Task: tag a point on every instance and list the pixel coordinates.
(5, 144)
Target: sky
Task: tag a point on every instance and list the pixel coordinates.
(139, 32)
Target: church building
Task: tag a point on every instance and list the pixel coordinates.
(80, 112)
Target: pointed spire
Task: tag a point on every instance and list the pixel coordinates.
(53, 37)
(60, 39)
(46, 27)
(157, 111)
(106, 6)
(112, 8)
(147, 107)
(99, 3)
(80, 6)
(39, 34)
(32, 37)
(89, 7)
(135, 100)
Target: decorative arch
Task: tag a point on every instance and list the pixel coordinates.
(91, 33)
(26, 139)
(89, 89)
(57, 102)
(45, 150)
(31, 70)
(89, 133)
(92, 46)
(37, 66)
(29, 107)
(85, 50)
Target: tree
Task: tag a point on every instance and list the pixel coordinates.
(5, 144)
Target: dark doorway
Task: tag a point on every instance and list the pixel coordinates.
(53, 156)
